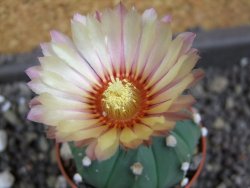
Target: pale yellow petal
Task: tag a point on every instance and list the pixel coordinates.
(58, 66)
(158, 123)
(129, 139)
(111, 26)
(146, 43)
(170, 75)
(81, 134)
(98, 42)
(166, 98)
(149, 15)
(159, 49)
(143, 132)
(107, 144)
(54, 102)
(39, 87)
(188, 65)
(169, 60)
(72, 58)
(58, 82)
(132, 32)
(41, 114)
(76, 125)
(47, 49)
(90, 41)
(107, 139)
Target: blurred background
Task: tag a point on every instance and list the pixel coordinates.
(25, 23)
(27, 158)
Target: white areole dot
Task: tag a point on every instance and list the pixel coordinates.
(171, 141)
(197, 118)
(137, 168)
(185, 166)
(184, 182)
(86, 161)
(204, 131)
(77, 178)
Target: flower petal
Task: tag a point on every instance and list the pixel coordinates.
(182, 102)
(39, 87)
(132, 31)
(33, 72)
(54, 102)
(58, 82)
(90, 42)
(167, 18)
(34, 102)
(72, 58)
(177, 116)
(142, 132)
(146, 42)
(56, 65)
(149, 15)
(188, 38)
(79, 18)
(110, 20)
(129, 139)
(81, 134)
(41, 114)
(189, 64)
(167, 63)
(158, 123)
(58, 37)
(76, 125)
(158, 49)
(107, 144)
(197, 74)
(173, 90)
(46, 49)
(167, 97)
(171, 74)
(90, 151)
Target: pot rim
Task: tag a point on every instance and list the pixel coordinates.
(191, 182)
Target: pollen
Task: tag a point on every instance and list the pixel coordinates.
(120, 99)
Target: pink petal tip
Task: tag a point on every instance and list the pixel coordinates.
(167, 18)
(79, 18)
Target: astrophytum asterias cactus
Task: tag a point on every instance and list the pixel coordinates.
(117, 90)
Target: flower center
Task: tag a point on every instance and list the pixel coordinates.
(120, 100)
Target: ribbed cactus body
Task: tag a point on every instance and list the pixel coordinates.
(161, 164)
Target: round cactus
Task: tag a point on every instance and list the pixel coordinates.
(162, 164)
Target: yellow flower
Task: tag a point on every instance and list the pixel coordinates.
(118, 83)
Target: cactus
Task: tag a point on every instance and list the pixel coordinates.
(116, 85)
(157, 165)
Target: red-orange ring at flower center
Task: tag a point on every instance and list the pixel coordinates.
(121, 102)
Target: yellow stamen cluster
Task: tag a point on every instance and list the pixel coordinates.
(120, 99)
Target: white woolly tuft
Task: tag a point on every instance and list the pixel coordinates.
(184, 182)
(171, 141)
(86, 161)
(77, 178)
(204, 131)
(185, 166)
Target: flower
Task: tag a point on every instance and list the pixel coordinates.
(118, 83)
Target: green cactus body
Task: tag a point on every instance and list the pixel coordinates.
(161, 163)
